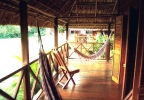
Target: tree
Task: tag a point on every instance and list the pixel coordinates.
(61, 29)
(13, 31)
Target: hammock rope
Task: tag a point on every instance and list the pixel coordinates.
(93, 56)
(48, 84)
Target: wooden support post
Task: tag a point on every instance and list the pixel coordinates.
(123, 48)
(67, 31)
(56, 32)
(131, 46)
(56, 36)
(139, 54)
(25, 50)
(67, 55)
(108, 45)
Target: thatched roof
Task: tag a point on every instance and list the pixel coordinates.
(77, 13)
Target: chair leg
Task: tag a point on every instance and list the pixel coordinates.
(66, 83)
(65, 74)
(71, 78)
(73, 81)
(60, 79)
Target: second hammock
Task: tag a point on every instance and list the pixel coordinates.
(93, 56)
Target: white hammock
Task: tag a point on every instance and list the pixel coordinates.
(93, 56)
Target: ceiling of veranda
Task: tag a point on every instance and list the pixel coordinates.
(77, 13)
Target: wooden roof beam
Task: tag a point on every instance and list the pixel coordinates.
(93, 15)
(96, 7)
(43, 12)
(77, 11)
(63, 5)
(114, 9)
(96, 23)
(53, 3)
(93, 3)
(98, 17)
(70, 8)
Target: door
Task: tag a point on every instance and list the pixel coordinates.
(117, 49)
(131, 46)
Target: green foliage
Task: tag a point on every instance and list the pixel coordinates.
(9, 31)
(10, 89)
(34, 67)
(13, 31)
(61, 29)
(102, 39)
(34, 31)
(18, 57)
(2, 98)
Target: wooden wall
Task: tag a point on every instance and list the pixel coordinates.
(131, 51)
(123, 49)
(117, 49)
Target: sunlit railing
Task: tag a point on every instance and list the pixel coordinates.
(34, 73)
(89, 48)
(129, 96)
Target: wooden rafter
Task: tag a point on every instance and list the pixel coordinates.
(70, 8)
(114, 6)
(114, 9)
(95, 9)
(65, 11)
(98, 17)
(77, 11)
(63, 5)
(53, 3)
(89, 23)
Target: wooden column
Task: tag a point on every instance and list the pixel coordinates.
(130, 51)
(67, 31)
(108, 45)
(56, 32)
(139, 54)
(56, 36)
(67, 55)
(123, 48)
(25, 50)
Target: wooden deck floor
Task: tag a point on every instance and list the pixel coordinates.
(93, 82)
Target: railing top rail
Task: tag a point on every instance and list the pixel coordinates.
(6, 77)
(23, 67)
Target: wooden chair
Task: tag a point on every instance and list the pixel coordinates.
(67, 72)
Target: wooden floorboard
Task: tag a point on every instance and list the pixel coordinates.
(93, 82)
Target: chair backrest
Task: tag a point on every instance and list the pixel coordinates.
(60, 60)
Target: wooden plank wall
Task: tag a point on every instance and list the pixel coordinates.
(138, 83)
(141, 30)
(117, 49)
(123, 49)
(131, 51)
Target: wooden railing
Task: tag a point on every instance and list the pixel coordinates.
(35, 75)
(89, 48)
(129, 96)
(141, 94)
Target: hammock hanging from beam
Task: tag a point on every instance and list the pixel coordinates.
(93, 56)
(48, 84)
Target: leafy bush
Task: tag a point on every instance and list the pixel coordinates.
(13, 31)
(10, 89)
